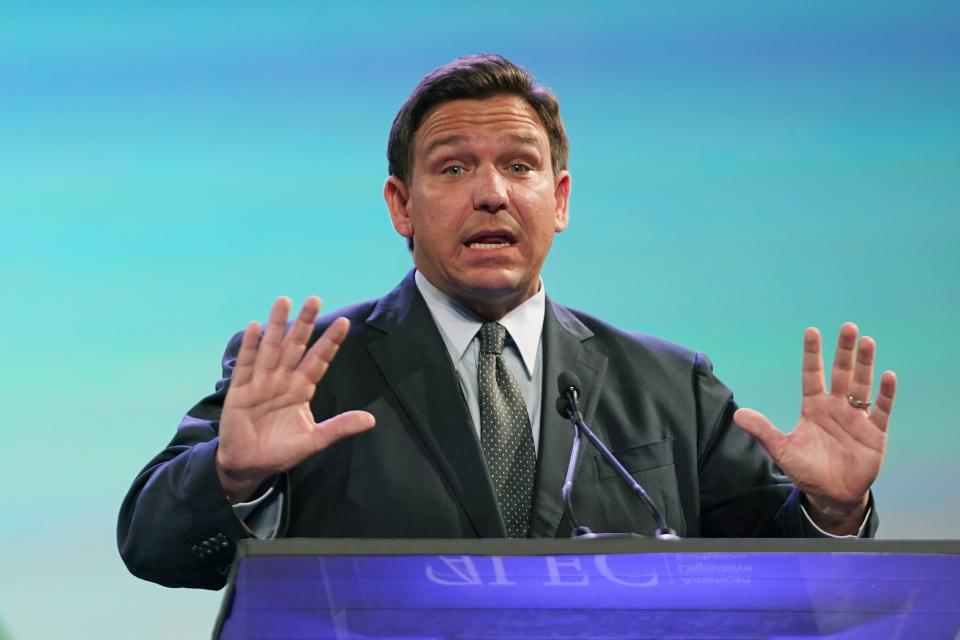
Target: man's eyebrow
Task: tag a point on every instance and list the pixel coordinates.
(531, 140)
(440, 142)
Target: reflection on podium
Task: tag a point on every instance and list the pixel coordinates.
(616, 589)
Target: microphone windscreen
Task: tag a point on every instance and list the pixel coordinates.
(568, 380)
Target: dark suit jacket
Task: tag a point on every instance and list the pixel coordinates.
(421, 471)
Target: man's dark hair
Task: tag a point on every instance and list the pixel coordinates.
(473, 78)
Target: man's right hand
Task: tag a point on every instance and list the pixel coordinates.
(266, 426)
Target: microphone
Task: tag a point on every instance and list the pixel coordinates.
(567, 404)
(569, 387)
(568, 384)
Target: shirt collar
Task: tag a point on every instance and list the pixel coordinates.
(458, 325)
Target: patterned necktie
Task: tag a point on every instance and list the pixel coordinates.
(505, 433)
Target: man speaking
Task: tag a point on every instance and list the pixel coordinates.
(430, 412)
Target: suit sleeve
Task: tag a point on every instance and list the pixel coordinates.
(176, 526)
(742, 493)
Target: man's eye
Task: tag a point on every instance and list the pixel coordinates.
(518, 167)
(453, 170)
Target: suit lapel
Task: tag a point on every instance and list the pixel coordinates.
(412, 357)
(563, 349)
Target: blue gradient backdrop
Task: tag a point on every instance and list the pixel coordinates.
(741, 171)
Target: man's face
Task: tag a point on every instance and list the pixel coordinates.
(482, 202)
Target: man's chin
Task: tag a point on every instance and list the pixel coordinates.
(497, 291)
(494, 287)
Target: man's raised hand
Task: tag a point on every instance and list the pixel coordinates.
(266, 426)
(834, 453)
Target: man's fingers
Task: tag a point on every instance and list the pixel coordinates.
(243, 369)
(300, 330)
(862, 383)
(757, 425)
(883, 405)
(812, 376)
(268, 355)
(843, 360)
(314, 364)
(341, 426)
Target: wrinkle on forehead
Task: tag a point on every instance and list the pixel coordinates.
(454, 140)
(509, 116)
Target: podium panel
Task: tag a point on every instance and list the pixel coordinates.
(597, 589)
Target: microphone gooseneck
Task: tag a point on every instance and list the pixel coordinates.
(567, 405)
(568, 385)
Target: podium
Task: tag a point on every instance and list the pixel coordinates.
(622, 588)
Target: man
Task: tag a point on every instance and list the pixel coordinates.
(457, 369)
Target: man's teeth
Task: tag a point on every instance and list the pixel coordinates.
(488, 245)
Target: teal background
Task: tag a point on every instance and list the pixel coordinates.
(740, 171)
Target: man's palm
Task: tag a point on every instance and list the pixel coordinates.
(266, 426)
(834, 452)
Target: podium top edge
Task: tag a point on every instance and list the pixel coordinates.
(546, 546)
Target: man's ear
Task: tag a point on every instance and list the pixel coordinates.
(396, 194)
(561, 194)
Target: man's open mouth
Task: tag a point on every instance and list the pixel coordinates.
(490, 240)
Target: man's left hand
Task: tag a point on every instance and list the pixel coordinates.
(834, 453)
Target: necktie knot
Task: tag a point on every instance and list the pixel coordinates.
(492, 336)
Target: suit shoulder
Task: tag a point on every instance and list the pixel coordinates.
(357, 314)
(621, 342)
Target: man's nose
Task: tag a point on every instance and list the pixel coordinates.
(490, 191)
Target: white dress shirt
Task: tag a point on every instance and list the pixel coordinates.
(522, 352)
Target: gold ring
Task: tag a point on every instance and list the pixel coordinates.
(858, 404)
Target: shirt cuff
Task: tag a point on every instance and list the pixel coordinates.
(827, 534)
(262, 515)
